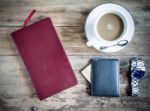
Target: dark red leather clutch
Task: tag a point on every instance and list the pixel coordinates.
(44, 58)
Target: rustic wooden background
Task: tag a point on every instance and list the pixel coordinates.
(68, 16)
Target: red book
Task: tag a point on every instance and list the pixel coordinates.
(44, 58)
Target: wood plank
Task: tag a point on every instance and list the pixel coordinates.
(66, 13)
(78, 102)
(74, 42)
(16, 90)
(13, 73)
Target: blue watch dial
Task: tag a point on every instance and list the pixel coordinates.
(138, 74)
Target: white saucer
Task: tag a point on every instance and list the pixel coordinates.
(90, 27)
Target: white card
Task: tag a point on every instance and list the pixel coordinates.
(86, 72)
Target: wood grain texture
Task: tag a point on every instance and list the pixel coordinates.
(19, 92)
(66, 13)
(16, 90)
(74, 42)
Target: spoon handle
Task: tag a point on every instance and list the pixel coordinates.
(103, 47)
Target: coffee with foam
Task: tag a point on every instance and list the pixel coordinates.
(110, 27)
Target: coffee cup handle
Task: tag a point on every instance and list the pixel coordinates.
(91, 42)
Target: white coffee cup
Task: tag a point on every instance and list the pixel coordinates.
(95, 40)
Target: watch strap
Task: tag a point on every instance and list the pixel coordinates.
(137, 72)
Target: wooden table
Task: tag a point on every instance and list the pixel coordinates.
(68, 16)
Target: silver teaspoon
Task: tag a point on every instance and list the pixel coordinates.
(120, 43)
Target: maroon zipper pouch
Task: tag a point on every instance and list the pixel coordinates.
(44, 58)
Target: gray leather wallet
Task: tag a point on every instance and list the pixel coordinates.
(105, 77)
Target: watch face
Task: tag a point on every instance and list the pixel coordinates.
(138, 74)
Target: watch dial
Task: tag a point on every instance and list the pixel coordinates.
(138, 74)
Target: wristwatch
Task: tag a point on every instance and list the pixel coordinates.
(137, 72)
